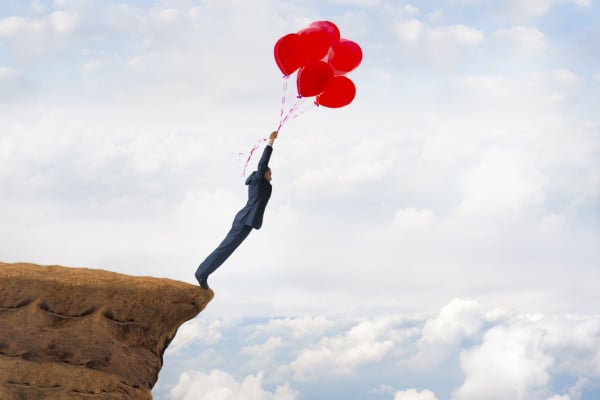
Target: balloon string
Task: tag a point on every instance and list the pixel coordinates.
(292, 110)
(299, 108)
(282, 121)
(299, 112)
(254, 148)
(296, 109)
(285, 84)
(283, 101)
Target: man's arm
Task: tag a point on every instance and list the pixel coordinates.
(266, 156)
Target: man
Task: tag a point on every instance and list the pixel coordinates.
(251, 216)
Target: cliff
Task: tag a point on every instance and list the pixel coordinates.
(74, 333)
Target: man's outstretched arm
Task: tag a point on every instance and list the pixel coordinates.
(263, 164)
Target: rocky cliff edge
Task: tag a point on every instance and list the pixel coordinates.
(75, 333)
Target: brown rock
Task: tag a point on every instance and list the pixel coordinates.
(74, 333)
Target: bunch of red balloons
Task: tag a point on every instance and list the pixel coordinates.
(322, 60)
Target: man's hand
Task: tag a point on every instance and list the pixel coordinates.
(273, 137)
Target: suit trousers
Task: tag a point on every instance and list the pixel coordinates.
(238, 232)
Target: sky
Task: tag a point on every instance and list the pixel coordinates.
(436, 239)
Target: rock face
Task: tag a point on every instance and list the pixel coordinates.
(73, 333)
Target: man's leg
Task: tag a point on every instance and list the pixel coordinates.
(234, 238)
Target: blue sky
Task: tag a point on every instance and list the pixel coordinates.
(434, 240)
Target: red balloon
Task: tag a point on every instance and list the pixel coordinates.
(345, 56)
(314, 78)
(330, 28)
(286, 53)
(339, 93)
(313, 44)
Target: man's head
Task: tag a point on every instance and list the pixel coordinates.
(268, 174)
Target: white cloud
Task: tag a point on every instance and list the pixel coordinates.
(364, 162)
(383, 76)
(261, 356)
(383, 389)
(220, 202)
(461, 35)
(155, 23)
(219, 385)
(503, 354)
(527, 40)
(492, 85)
(409, 31)
(520, 9)
(360, 3)
(196, 331)
(410, 10)
(433, 43)
(502, 186)
(564, 77)
(436, 16)
(468, 2)
(63, 23)
(8, 73)
(14, 85)
(413, 394)
(12, 26)
(296, 328)
(36, 36)
(91, 66)
(163, 17)
(416, 32)
(72, 3)
(411, 218)
(510, 363)
(367, 342)
(37, 7)
(138, 64)
(527, 8)
(194, 12)
(272, 344)
(574, 342)
(515, 355)
(457, 321)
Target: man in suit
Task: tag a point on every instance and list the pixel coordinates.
(251, 216)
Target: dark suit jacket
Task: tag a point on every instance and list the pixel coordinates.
(259, 192)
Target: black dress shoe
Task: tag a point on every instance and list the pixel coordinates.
(204, 283)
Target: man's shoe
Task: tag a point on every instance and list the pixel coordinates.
(204, 283)
(202, 280)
